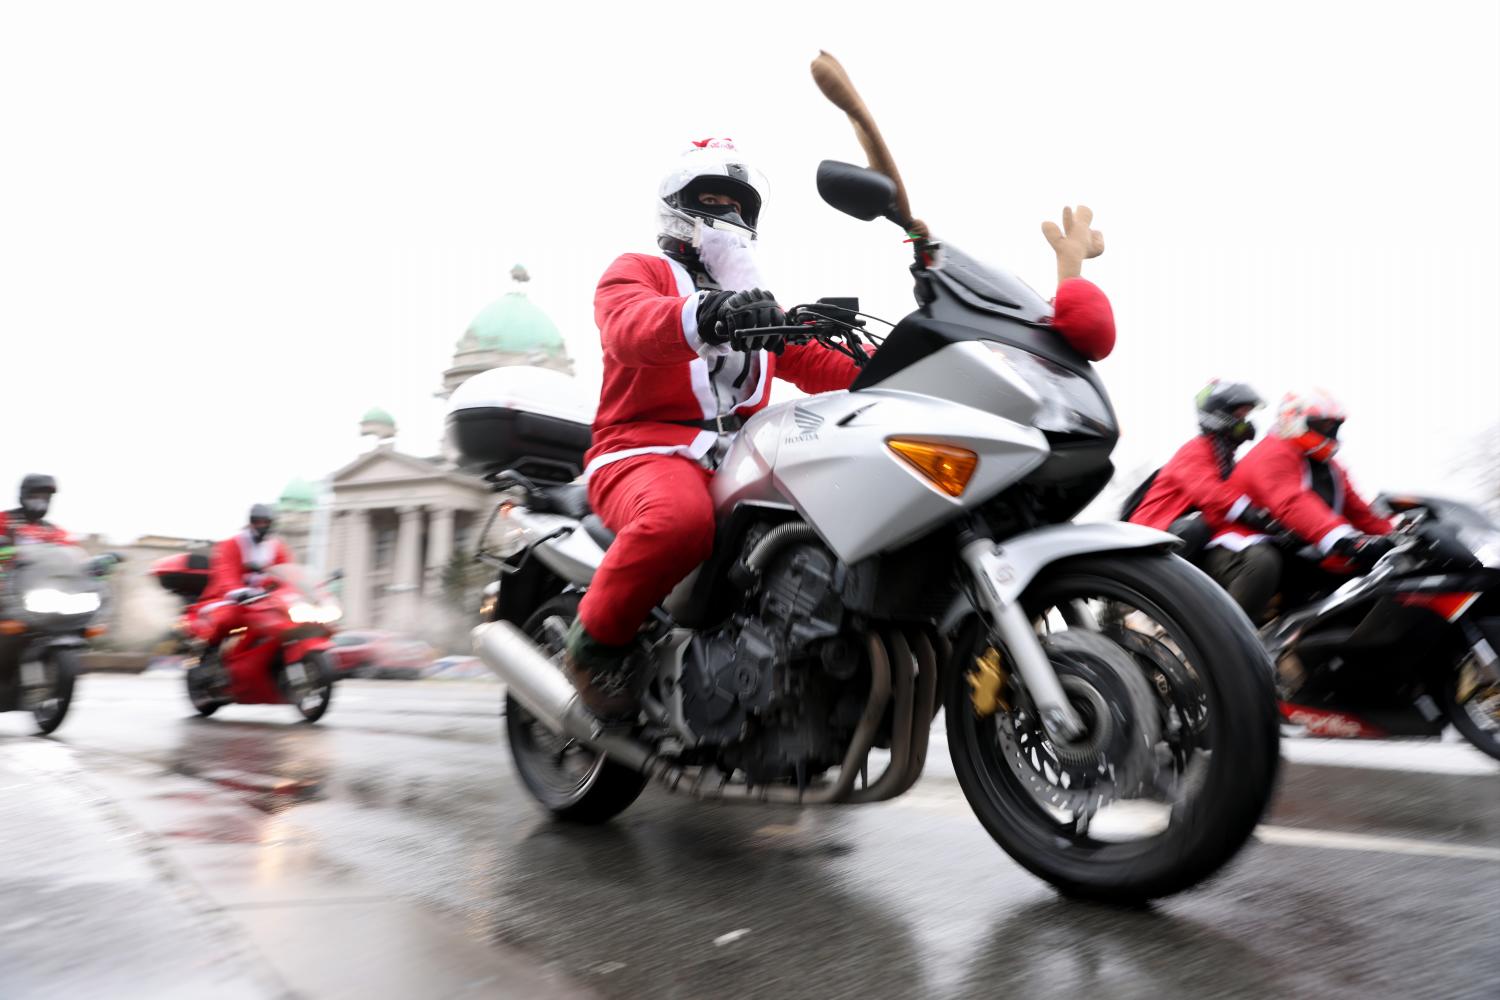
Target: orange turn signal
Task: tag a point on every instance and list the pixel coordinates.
(12, 628)
(944, 466)
(94, 631)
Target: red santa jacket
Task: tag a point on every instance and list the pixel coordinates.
(1191, 480)
(646, 309)
(16, 530)
(1277, 475)
(237, 561)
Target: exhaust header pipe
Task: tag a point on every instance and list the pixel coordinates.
(535, 682)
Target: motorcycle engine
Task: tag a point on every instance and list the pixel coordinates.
(771, 688)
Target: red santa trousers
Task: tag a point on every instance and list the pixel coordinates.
(663, 519)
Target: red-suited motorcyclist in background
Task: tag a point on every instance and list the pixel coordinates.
(236, 570)
(1192, 496)
(27, 523)
(1293, 476)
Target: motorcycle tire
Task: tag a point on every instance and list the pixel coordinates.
(1229, 787)
(596, 789)
(1485, 740)
(203, 703)
(313, 701)
(50, 715)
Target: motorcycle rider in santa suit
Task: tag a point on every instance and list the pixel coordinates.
(680, 377)
(236, 570)
(27, 523)
(1191, 496)
(1293, 476)
(678, 381)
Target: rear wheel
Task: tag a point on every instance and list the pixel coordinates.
(308, 684)
(1180, 755)
(50, 699)
(1472, 702)
(570, 781)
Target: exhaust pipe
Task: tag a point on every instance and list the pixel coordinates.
(536, 682)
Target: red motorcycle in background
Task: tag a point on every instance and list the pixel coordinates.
(282, 655)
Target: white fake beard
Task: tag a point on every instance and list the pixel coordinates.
(728, 257)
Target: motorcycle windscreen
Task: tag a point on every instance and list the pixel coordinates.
(51, 589)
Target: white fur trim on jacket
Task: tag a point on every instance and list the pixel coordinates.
(695, 450)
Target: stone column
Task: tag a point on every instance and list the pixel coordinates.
(356, 555)
(406, 581)
(439, 548)
(332, 556)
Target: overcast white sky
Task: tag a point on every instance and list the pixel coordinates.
(227, 230)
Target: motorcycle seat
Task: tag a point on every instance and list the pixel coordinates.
(596, 530)
(569, 500)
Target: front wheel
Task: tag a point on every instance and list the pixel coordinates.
(1472, 702)
(571, 781)
(308, 684)
(53, 694)
(1181, 751)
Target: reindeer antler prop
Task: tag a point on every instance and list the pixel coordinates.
(836, 86)
(1075, 242)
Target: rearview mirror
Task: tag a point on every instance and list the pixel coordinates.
(858, 191)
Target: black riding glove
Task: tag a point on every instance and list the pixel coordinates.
(1363, 550)
(1260, 519)
(709, 308)
(722, 315)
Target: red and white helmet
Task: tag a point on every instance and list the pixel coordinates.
(709, 166)
(1311, 420)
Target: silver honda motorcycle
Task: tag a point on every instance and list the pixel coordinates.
(888, 551)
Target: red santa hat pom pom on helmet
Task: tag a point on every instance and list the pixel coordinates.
(1080, 311)
(1311, 420)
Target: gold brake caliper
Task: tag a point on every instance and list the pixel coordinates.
(987, 684)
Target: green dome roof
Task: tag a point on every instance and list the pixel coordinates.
(299, 494)
(512, 323)
(375, 415)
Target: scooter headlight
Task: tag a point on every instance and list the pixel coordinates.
(48, 601)
(1070, 403)
(305, 612)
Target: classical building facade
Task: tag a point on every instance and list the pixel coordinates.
(392, 521)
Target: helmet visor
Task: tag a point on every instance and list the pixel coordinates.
(1326, 426)
(715, 196)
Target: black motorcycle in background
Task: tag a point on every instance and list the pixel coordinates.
(1407, 648)
(49, 598)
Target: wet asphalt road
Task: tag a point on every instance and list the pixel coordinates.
(390, 851)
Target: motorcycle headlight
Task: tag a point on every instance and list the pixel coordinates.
(1070, 403)
(305, 612)
(48, 601)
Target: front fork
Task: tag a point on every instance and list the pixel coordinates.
(1015, 631)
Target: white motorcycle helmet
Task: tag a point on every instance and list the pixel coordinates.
(710, 166)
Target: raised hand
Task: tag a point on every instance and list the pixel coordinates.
(1075, 242)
